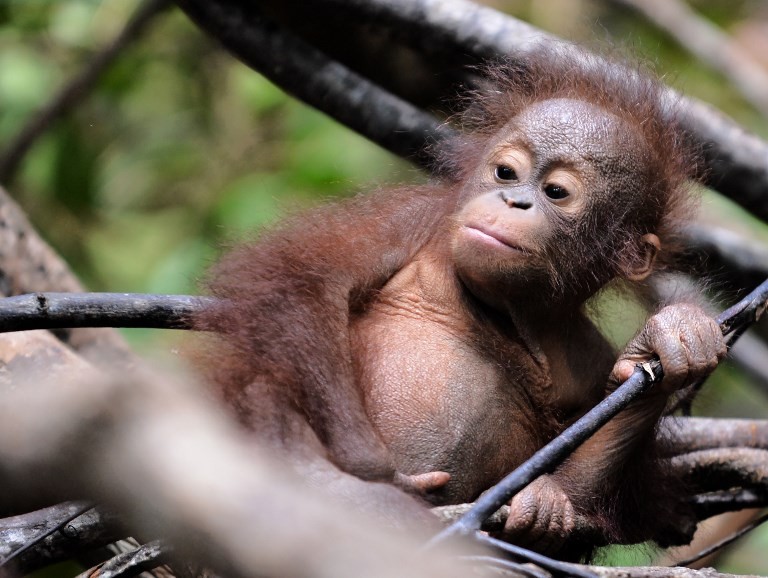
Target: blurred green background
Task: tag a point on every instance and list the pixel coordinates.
(180, 149)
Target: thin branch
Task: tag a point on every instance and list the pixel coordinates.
(73, 92)
(517, 569)
(710, 44)
(129, 564)
(57, 310)
(553, 566)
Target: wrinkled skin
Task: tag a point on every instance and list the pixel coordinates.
(445, 340)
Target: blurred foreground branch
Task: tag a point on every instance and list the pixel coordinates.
(189, 477)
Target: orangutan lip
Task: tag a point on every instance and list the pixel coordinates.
(489, 235)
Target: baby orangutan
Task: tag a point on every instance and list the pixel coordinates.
(414, 345)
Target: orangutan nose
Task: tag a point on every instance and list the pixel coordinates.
(516, 199)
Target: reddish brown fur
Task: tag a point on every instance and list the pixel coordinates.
(286, 356)
(632, 94)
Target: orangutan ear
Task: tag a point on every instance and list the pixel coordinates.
(643, 264)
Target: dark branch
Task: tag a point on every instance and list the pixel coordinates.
(734, 259)
(58, 310)
(691, 434)
(92, 529)
(737, 161)
(716, 503)
(79, 86)
(714, 469)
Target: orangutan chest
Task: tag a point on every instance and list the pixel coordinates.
(438, 401)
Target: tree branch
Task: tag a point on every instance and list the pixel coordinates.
(190, 476)
(691, 434)
(733, 258)
(128, 564)
(57, 310)
(28, 263)
(93, 529)
(737, 161)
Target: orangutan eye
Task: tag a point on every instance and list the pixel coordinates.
(555, 192)
(505, 173)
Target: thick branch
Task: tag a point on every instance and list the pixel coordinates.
(691, 434)
(734, 258)
(737, 161)
(719, 468)
(92, 529)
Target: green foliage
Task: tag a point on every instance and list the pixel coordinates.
(177, 149)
